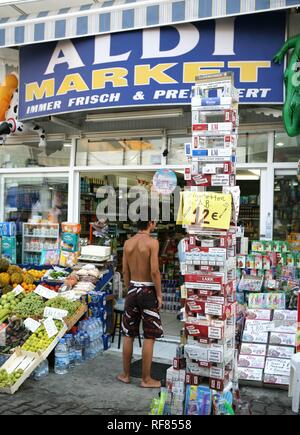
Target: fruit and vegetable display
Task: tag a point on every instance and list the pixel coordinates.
(37, 274)
(53, 287)
(31, 306)
(11, 276)
(8, 380)
(15, 334)
(57, 275)
(8, 303)
(64, 304)
(40, 341)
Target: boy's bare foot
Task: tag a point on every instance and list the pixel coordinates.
(123, 378)
(151, 383)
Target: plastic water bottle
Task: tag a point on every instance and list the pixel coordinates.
(87, 347)
(62, 362)
(42, 371)
(71, 349)
(78, 350)
(268, 232)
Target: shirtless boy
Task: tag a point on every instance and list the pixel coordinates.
(144, 299)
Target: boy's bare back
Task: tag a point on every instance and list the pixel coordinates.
(138, 252)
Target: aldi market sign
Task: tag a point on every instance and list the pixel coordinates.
(155, 66)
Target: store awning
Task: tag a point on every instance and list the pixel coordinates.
(115, 16)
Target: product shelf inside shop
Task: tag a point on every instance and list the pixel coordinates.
(40, 237)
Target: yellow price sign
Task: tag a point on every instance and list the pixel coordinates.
(206, 209)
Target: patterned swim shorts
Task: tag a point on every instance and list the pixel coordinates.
(141, 304)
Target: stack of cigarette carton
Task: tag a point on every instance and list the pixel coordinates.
(209, 211)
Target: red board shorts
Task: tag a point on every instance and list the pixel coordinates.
(141, 304)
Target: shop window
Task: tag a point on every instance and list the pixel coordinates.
(57, 153)
(287, 149)
(252, 148)
(119, 152)
(286, 206)
(176, 154)
(37, 199)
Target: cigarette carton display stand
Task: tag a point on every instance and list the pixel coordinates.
(209, 212)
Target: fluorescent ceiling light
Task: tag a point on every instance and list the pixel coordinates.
(67, 145)
(125, 116)
(280, 144)
(247, 177)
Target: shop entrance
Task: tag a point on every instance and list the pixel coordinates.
(125, 185)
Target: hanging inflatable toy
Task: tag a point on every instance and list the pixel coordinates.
(291, 109)
(9, 105)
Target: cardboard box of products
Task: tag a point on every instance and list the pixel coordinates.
(253, 349)
(281, 352)
(252, 361)
(281, 339)
(277, 366)
(276, 379)
(248, 374)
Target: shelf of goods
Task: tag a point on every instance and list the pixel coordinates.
(206, 364)
(269, 276)
(36, 238)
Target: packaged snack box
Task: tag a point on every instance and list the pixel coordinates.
(250, 262)
(71, 228)
(258, 261)
(241, 261)
(68, 259)
(266, 262)
(268, 245)
(8, 229)
(70, 242)
(277, 246)
(257, 246)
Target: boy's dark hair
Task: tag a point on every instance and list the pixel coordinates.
(146, 214)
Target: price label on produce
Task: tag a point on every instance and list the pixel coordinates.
(18, 290)
(50, 327)
(45, 292)
(32, 325)
(55, 313)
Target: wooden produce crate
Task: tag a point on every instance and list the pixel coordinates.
(71, 321)
(45, 353)
(27, 361)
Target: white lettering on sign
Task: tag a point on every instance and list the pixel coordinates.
(18, 290)
(188, 39)
(224, 39)
(70, 56)
(45, 292)
(55, 313)
(103, 51)
(50, 327)
(32, 325)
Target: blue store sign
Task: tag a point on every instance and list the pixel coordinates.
(152, 67)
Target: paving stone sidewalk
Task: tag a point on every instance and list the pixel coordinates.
(92, 389)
